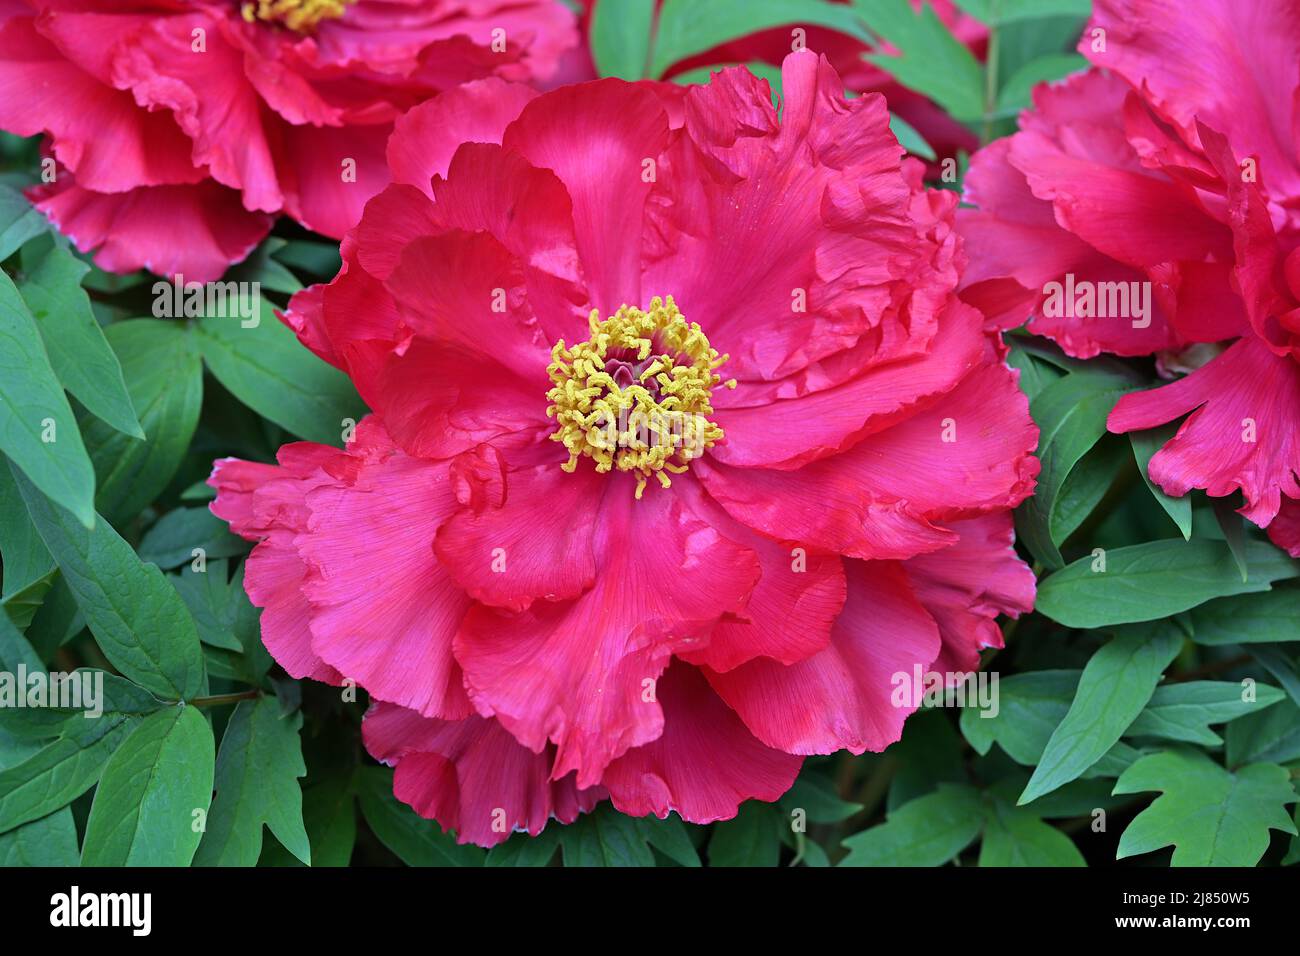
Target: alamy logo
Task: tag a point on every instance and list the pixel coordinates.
(1098, 300)
(921, 688)
(103, 909)
(80, 690)
(179, 299)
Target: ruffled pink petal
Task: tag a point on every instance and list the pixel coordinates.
(843, 697)
(391, 221)
(596, 137)
(467, 290)
(274, 576)
(268, 504)
(97, 131)
(503, 555)
(1260, 274)
(439, 399)
(964, 453)
(1233, 66)
(1135, 218)
(383, 609)
(1244, 432)
(236, 482)
(528, 210)
(834, 514)
(425, 138)
(1284, 530)
(282, 87)
(704, 765)
(1013, 236)
(1011, 232)
(790, 432)
(471, 776)
(401, 37)
(965, 587)
(210, 98)
(581, 673)
(198, 231)
(306, 317)
(792, 607)
(333, 171)
(784, 278)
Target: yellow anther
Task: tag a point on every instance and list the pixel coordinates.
(299, 15)
(635, 396)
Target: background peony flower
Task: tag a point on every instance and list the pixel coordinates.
(182, 127)
(1164, 165)
(671, 634)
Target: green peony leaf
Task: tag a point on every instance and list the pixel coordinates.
(1249, 618)
(164, 377)
(818, 800)
(78, 350)
(1016, 93)
(257, 774)
(1210, 816)
(605, 837)
(1184, 712)
(688, 27)
(49, 841)
(927, 831)
(1071, 415)
(1017, 836)
(38, 431)
(930, 60)
(139, 622)
(60, 771)
(153, 792)
(269, 370)
(213, 603)
(996, 12)
(1145, 444)
(1154, 580)
(620, 38)
(525, 850)
(26, 559)
(1271, 735)
(19, 221)
(1116, 685)
(173, 538)
(751, 838)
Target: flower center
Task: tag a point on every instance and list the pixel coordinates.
(635, 395)
(299, 15)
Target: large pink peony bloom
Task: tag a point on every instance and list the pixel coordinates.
(550, 605)
(1175, 162)
(181, 127)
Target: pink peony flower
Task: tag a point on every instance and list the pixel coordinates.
(682, 448)
(1175, 162)
(182, 127)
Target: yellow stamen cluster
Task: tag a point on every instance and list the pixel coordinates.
(299, 15)
(652, 424)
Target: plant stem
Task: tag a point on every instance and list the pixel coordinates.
(219, 699)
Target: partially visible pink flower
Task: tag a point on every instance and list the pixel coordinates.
(1176, 162)
(182, 127)
(548, 609)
